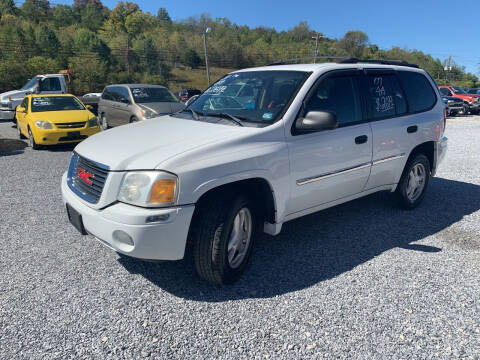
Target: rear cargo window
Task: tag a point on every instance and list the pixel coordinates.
(419, 92)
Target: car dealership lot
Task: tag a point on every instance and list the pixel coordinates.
(364, 279)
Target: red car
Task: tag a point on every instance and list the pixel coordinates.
(471, 102)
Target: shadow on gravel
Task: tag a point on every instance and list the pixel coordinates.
(9, 147)
(324, 245)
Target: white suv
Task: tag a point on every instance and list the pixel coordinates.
(258, 148)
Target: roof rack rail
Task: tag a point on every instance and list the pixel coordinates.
(297, 59)
(378, 61)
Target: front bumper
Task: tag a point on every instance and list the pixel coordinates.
(440, 151)
(62, 136)
(163, 240)
(7, 114)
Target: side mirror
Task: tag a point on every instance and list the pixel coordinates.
(125, 101)
(21, 109)
(89, 107)
(316, 121)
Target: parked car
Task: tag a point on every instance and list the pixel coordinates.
(471, 103)
(453, 105)
(92, 100)
(128, 103)
(50, 119)
(218, 174)
(40, 84)
(475, 91)
(186, 94)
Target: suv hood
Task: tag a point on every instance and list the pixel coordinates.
(15, 94)
(144, 145)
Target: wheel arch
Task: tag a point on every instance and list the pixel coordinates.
(260, 190)
(428, 149)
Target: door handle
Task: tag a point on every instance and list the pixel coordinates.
(362, 139)
(412, 129)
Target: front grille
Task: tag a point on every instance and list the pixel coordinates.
(73, 125)
(92, 172)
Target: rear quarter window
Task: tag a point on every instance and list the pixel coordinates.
(419, 92)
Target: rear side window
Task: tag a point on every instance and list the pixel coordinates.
(381, 102)
(106, 94)
(50, 84)
(340, 96)
(419, 92)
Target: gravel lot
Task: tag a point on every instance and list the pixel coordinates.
(362, 280)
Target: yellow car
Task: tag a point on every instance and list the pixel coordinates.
(54, 119)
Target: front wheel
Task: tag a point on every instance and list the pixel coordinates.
(103, 122)
(223, 235)
(413, 183)
(31, 140)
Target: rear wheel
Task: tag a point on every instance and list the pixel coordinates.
(414, 181)
(223, 234)
(31, 140)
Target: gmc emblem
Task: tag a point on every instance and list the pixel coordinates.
(85, 175)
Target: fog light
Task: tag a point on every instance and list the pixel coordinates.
(157, 218)
(122, 237)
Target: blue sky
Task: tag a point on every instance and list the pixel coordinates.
(440, 28)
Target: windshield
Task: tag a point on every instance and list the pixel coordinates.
(253, 96)
(152, 95)
(55, 103)
(31, 83)
(458, 90)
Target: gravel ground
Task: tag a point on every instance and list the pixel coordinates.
(362, 280)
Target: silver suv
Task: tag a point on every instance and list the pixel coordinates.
(127, 103)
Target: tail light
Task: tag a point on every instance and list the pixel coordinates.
(444, 119)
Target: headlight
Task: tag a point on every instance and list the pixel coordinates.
(147, 113)
(450, 101)
(93, 122)
(43, 124)
(149, 188)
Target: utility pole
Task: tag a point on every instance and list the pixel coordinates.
(316, 38)
(207, 30)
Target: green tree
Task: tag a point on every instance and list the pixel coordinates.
(7, 7)
(41, 65)
(47, 42)
(89, 72)
(63, 16)
(354, 43)
(191, 58)
(162, 15)
(35, 10)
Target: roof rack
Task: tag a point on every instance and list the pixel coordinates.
(296, 60)
(377, 61)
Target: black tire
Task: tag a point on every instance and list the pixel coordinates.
(133, 119)
(104, 122)
(466, 109)
(31, 140)
(211, 230)
(403, 199)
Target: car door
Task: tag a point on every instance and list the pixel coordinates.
(331, 164)
(105, 103)
(404, 96)
(123, 107)
(21, 116)
(114, 115)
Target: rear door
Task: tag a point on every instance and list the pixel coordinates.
(105, 105)
(398, 104)
(123, 107)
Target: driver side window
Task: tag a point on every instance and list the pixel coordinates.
(338, 95)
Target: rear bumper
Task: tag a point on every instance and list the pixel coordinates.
(440, 151)
(162, 240)
(7, 114)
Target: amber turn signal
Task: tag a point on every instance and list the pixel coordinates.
(163, 191)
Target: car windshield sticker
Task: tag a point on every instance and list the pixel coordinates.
(267, 116)
(41, 102)
(140, 93)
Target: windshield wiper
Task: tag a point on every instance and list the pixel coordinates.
(228, 116)
(193, 112)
